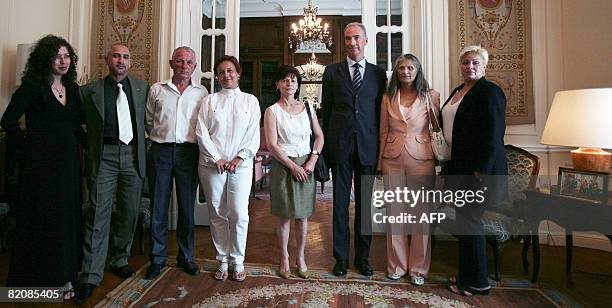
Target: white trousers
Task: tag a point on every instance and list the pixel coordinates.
(227, 197)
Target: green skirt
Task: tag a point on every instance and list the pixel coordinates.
(291, 199)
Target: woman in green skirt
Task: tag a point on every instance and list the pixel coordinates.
(287, 130)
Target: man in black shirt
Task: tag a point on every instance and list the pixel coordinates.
(114, 113)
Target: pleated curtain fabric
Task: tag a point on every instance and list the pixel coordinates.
(123, 117)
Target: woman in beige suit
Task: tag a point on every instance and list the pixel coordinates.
(406, 160)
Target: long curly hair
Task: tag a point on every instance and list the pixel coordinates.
(38, 67)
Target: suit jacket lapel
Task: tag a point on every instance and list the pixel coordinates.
(471, 94)
(367, 73)
(346, 75)
(138, 96)
(98, 97)
(395, 107)
(468, 99)
(450, 97)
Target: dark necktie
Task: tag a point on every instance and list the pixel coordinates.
(357, 79)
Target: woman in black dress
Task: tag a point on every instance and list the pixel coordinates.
(49, 211)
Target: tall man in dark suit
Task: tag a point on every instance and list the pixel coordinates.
(352, 93)
(114, 113)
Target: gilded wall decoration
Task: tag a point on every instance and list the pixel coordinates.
(503, 28)
(129, 22)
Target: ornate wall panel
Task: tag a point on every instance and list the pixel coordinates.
(503, 28)
(129, 22)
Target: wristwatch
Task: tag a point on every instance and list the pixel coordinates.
(315, 152)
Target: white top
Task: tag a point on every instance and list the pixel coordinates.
(448, 118)
(228, 126)
(172, 116)
(293, 131)
(352, 62)
(405, 111)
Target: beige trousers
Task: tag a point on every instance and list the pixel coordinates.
(408, 245)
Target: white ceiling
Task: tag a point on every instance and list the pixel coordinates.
(277, 8)
(268, 8)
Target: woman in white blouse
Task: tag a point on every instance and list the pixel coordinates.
(228, 137)
(292, 188)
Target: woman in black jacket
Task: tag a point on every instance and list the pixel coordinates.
(473, 120)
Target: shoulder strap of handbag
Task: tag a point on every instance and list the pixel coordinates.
(431, 111)
(311, 128)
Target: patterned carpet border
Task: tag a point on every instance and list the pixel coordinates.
(130, 291)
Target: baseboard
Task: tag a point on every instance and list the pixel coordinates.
(581, 239)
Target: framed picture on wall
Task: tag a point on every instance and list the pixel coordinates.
(585, 185)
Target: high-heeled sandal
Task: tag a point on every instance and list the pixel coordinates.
(284, 274)
(468, 291)
(221, 273)
(303, 274)
(69, 295)
(239, 275)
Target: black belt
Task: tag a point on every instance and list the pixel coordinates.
(115, 141)
(176, 145)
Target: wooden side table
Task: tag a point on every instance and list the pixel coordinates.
(571, 214)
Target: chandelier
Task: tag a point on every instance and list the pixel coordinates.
(310, 33)
(312, 71)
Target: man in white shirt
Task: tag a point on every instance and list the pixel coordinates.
(171, 118)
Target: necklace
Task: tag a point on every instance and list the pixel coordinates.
(60, 91)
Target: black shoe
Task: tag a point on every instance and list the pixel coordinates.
(189, 267)
(154, 270)
(123, 271)
(340, 268)
(364, 267)
(83, 292)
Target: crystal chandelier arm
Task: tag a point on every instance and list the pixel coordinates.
(309, 32)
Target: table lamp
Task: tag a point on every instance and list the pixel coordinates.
(583, 119)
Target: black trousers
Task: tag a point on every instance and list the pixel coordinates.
(343, 174)
(469, 230)
(169, 163)
(472, 249)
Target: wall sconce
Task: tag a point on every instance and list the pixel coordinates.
(582, 118)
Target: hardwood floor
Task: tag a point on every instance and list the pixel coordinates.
(588, 283)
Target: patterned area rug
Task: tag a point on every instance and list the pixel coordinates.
(263, 288)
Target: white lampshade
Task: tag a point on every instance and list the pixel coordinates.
(580, 118)
(23, 53)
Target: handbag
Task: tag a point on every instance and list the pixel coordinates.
(321, 171)
(441, 149)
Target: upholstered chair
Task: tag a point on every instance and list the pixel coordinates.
(504, 220)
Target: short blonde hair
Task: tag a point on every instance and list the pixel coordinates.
(475, 49)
